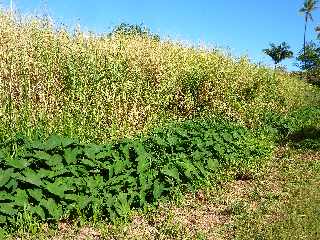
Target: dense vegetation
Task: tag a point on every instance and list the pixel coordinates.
(150, 117)
(95, 87)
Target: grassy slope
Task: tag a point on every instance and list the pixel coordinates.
(96, 87)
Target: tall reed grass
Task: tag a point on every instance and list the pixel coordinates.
(101, 87)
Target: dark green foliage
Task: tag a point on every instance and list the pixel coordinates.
(278, 52)
(62, 178)
(311, 58)
(309, 61)
(133, 30)
(293, 126)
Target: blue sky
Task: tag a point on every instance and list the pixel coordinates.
(244, 27)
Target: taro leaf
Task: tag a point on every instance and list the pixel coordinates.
(219, 149)
(36, 145)
(201, 168)
(54, 210)
(7, 208)
(70, 155)
(197, 155)
(21, 198)
(227, 137)
(160, 141)
(5, 176)
(118, 166)
(3, 219)
(189, 168)
(17, 163)
(13, 184)
(213, 164)
(53, 142)
(66, 142)
(56, 189)
(41, 155)
(82, 201)
(158, 189)
(58, 172)
(172, 140)
(43, 173)
(32, 177)
(39, 211)
(5, 196)
(54, 160)
(104, 154)
(88, 163)
(143, 164)
(122, 205)
(92, 150)
(36, 194)
(171, 172)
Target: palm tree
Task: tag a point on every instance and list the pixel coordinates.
(278, 53)
(317, 29)
(308, 7)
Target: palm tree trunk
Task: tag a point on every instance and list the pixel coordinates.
(304, 40)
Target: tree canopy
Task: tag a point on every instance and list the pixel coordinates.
(133, 29)
(278, 52)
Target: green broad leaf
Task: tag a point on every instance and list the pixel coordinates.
(92, 150)
(38, 210)
(36, 145)
(158, 189)
(43, 173)
(125, 150)
(5, 196)
(143, 164)
(171, 172)
(53, 142)
(82, 201)
(21, 198)
(213, 164)
(66, 142)
(118, 166)
(58, 172)
(5, 176)
(32, 177)
(3, 220)
(41, 155)
(12, 184)
(197, 155)
(189, 168)
(17, 163)
(160, 141)
(36, 194)
(227, 137)
(122, 205)
(55, 160)
(104, 154)
(70, 155)
(7, 208)
(89, 163)
(56, 189)
(54, 210)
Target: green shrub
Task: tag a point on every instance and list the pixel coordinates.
(61, 177)
(294, 124)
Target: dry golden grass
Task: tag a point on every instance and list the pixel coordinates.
(98, 87)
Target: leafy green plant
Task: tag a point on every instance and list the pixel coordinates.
(61, 177)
